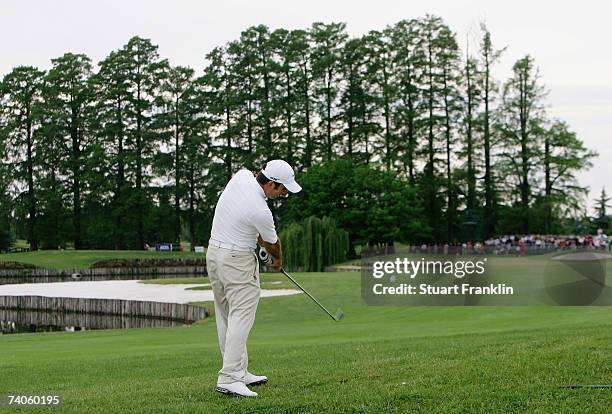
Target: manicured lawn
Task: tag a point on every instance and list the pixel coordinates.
(21, 243)
(376, 360)
(68, 259)
(268, 281)
(531, 277)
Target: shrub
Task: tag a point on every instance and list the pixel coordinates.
(312, 244)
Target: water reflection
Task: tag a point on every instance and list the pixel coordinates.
(12, 321)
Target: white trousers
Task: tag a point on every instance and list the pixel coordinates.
(234, 278)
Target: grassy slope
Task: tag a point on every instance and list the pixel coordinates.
(378, 359)
(527, 275)
(68, 259)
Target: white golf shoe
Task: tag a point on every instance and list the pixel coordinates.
(235, 388)
(250, 379)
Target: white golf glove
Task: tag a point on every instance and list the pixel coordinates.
(265, 257)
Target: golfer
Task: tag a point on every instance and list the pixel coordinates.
(243, 219)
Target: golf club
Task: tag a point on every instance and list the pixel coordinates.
(267, 259)
(339, 313)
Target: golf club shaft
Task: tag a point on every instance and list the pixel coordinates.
(309, 295)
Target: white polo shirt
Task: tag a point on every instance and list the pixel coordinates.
(242, 213)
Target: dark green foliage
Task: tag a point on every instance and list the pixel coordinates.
(68, 95)
(293, 245)
(139, 151)
(161, 220)
(327, 43)
(53, 225)
(373, 206)
(488, 57)
(313, 243)
(177, 120)
(5, 234)
(99, 225)
(22, 100)
(335, 242)
(521, 130)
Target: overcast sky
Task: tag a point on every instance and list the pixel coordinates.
(571, 41)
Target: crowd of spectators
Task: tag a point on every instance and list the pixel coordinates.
(535, 243)
(521, 245)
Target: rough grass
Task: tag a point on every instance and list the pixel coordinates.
(376, 360)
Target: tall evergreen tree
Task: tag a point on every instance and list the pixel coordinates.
(381, 70)
(6, 205)
(328, 41)
(562, 157)
(448, 57)
(201, 178)
(410, 59)
(489, 56)
(21, 109)
(601, 210)
(53, 191)
(521, 128)
(68, 98)
(257, 46)
(145, 71)
(433, 34)
(353, 100)
(178, 118)
(113, 145)
(301, 43)
(472, 80)
(220, 89)
(286, 47)
(243, 58)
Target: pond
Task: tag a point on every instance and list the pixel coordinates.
(40, 319)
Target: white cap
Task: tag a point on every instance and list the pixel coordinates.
(280, 171)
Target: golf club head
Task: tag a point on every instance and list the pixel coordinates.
(339, 315)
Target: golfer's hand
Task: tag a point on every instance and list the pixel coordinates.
(275, 251)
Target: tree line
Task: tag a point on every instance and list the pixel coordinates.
(136, 150)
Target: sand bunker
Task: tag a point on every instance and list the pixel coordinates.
(123, 289)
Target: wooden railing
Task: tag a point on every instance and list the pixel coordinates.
(128, 308)
(39, 275)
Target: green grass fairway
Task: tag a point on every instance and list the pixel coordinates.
(78, 259)
(376, 360)
(268, 281)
